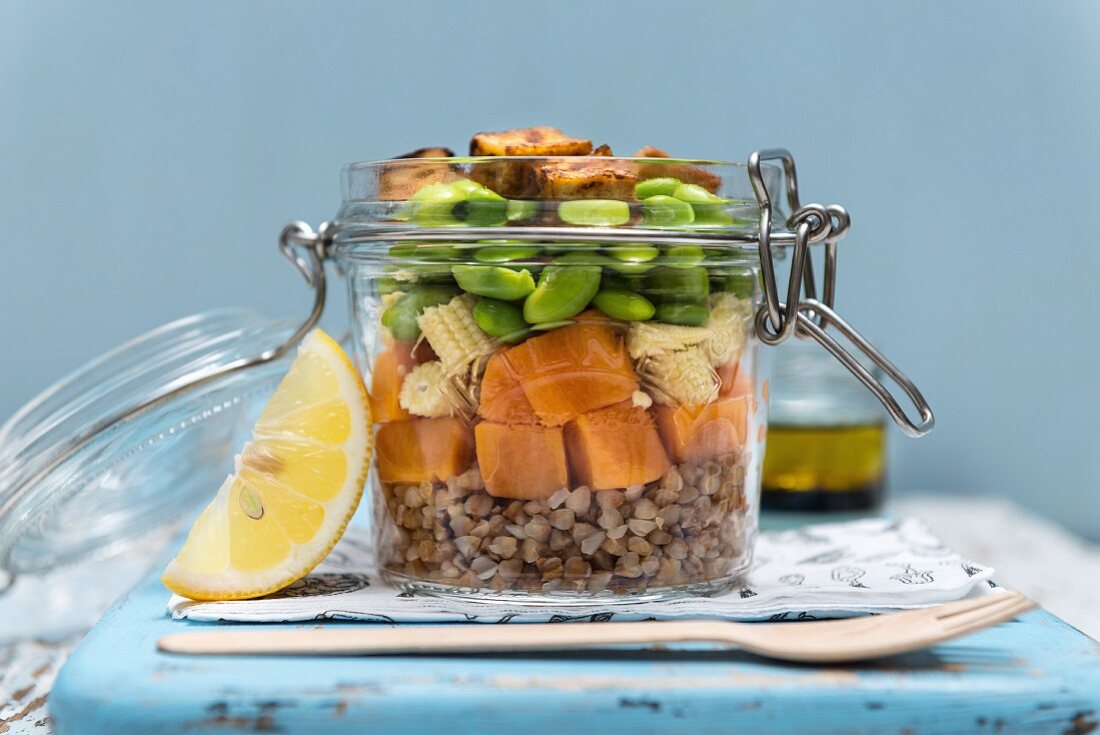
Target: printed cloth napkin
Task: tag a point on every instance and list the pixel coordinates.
(830, 570)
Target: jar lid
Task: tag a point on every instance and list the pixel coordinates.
(135, 440)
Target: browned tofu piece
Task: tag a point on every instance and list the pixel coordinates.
(399, 181)
(591, 179)
(688, 174)
(541, 140)
(517, 179)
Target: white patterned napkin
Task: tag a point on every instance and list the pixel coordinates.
(830, 570)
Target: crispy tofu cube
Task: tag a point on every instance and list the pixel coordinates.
(591, 179)
(400, 181)
(517, 179)
(541, 140)
(687, 174)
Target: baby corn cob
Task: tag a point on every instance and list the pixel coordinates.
(681, 377)
(649, 339)
(728, 323)
(454, 335)
(424, 391)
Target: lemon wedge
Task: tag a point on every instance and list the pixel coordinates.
(296, 484)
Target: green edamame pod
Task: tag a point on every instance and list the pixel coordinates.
(400, 318)
(597, 212)
(666, 211)
(562, 292)
(501, 320)
(664, 186)
(633, 259)
(677, 285)
(494, 281)
(688, 315)
(623, 304)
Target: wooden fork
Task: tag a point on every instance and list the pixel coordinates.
(826, 641)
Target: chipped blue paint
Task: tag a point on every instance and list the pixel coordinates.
(1036, 675)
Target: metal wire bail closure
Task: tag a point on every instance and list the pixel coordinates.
(808, 317)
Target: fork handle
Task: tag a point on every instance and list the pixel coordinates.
(364, 641)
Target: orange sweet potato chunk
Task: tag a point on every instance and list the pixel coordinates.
(424, 449)
(390, 369)
(615, 447)
(699, 433)
(573, 370)
(502, 396)
(521, 462)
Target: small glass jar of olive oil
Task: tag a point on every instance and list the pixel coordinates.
(826, 445)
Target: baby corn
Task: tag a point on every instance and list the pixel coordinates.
(424, 391)
(728, 323)
(679, 378)
(649, 339)
(454, 335)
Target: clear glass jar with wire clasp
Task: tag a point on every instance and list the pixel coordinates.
(564, 381)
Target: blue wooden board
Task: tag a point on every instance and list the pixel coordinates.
(1036, 674)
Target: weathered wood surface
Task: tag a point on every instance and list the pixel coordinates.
(1034, 675)
(27, 672)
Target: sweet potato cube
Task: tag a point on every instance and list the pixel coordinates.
(424, 449)
(702, 432)
(390, 369)
(521, 462)
(573, 370)
(615, 447)
(502, 396)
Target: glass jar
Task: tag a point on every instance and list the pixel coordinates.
(561, 356)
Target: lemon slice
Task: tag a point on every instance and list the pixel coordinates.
(295, 488)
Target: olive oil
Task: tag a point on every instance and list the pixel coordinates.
(824, 468)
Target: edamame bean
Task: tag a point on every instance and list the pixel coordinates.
(505, 253)
(465, 186)
(683, 256)
(500, 319)
(400, 318)
(482, 208)
(688, 315)
(596, 212)
(677, 285)
(562, 292)
(585, 257)
(435, 205)
(633, 259)
(667, 211)
(655, 187)
(547, 326)
(521, 209)
(741, 284)
(424, 251)
(623, 304)
(710, 209)
(494, 281)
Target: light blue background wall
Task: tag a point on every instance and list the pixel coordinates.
(150, 153)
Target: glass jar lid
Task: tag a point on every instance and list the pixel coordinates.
(135, 439)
